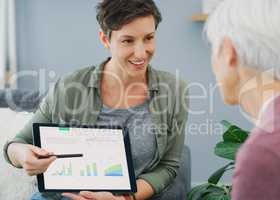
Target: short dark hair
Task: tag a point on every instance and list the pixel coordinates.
(113, 14)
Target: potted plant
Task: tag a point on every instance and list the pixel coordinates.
(233, 138)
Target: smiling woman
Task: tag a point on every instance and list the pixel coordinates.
(124, 90)
(132, 46)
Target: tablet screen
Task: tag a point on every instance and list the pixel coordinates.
(100, 158)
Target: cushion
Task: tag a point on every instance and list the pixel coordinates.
(15, 184)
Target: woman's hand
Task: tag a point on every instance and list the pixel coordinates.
(85, 195)
(27, 156)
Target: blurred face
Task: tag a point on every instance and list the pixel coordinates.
(225, 68)
(133, 46)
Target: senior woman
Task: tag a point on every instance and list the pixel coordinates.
(245, 37)
(123, 90)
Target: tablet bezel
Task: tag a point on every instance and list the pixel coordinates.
(132, 179)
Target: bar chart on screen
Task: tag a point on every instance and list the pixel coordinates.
(89, 170)
(64, 170)
(115, 170)
(102, 163)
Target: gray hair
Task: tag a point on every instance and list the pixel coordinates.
(254, 28)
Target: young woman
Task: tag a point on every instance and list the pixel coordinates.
(123, 90)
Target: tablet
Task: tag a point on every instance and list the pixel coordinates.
(92, 158)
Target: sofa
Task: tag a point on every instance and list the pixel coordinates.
(16, 107)
(15, 184)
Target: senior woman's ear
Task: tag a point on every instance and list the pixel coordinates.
(228, 52)
(225, 66)
(104, 39)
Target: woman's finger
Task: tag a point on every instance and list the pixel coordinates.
(39, 165)
(73, 196)
(87, 194)
(39, 151)
(97, 195)
(45, 162)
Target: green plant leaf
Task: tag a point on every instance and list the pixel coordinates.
(226, 124)
(213, 196)
(227, 150)
(235, 134)
(209, 192)
(197, 192)
(216, 196)
(232, 140)
(227, 197)
(216, 176)
(216, 193)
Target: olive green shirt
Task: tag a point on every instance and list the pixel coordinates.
(76, 99)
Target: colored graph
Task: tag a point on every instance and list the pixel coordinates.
(64, 171)
(90, 170)
(114, 170)
(64, 130)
